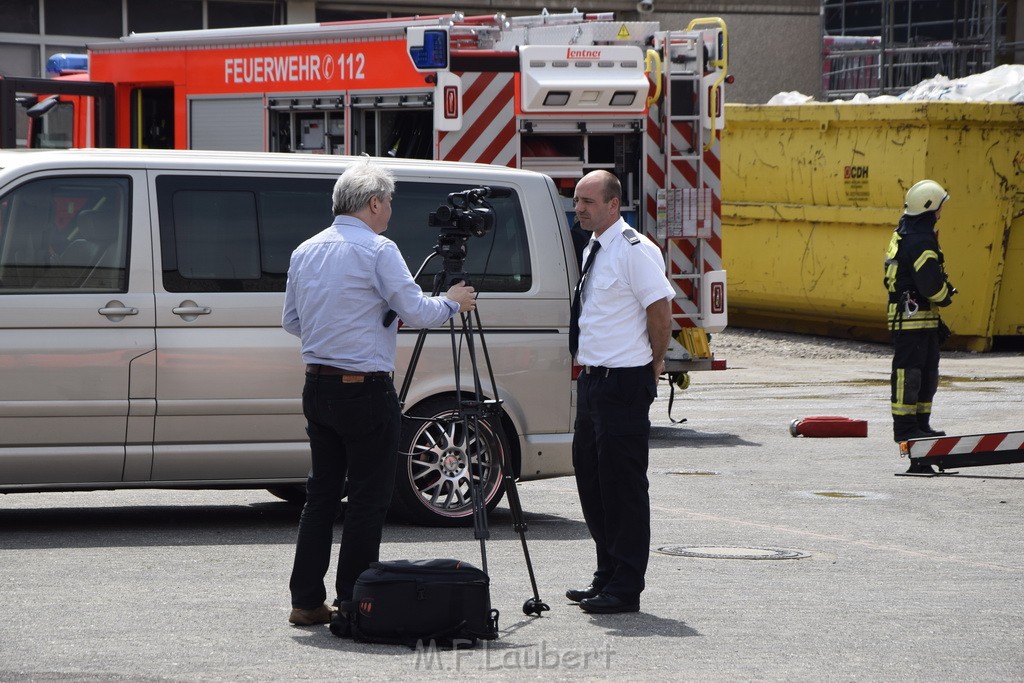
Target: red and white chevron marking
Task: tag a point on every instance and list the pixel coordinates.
(488, 134)
(957, 445)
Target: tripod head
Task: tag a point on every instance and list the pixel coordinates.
(465, 214)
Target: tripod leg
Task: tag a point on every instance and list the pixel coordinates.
(534, 605)
(470, 419)
(476, 491)
(468, 415)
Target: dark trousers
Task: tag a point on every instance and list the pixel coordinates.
(915, 373)
(354, 430)
(609, 455)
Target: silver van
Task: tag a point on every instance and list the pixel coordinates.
(140, 339)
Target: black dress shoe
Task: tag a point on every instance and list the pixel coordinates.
(605, 603)
(577, 594)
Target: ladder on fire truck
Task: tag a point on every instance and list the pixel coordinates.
(689, 140)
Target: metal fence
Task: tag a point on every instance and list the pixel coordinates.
(900, 50)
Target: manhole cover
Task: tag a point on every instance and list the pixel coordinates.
(731, 552)
(694, 473)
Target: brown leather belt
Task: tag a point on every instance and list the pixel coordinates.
(347, 376)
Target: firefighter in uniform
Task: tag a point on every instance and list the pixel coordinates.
(619, 329)
(918, 286)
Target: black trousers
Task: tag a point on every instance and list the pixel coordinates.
(610, 455)
(915, 372)
(354, 430)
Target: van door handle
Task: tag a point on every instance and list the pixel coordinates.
(116, 311)
(190, 310)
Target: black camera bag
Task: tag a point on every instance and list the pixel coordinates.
(410, 602)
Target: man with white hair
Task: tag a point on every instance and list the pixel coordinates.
(342, 283)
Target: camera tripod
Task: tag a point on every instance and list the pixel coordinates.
(472, 408)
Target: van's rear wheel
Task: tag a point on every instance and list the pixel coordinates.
(433, 484)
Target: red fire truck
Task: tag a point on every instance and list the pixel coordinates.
(562, 94)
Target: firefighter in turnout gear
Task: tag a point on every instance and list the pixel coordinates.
(918, 286)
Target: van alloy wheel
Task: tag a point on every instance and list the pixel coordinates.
(437, 458)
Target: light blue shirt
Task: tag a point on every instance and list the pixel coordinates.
(341, 284)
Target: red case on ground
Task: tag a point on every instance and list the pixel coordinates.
(822, 426)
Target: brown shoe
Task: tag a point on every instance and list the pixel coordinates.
(310, 617)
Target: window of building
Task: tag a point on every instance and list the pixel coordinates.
(84, 18)
(19, 60)
(145, 16)
(224, 14)
(327, 14)
(19, 16)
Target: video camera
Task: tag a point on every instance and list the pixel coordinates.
(467, 213)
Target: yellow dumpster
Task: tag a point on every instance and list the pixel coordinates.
(811, 194)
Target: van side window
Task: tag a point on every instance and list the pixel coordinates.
(215, 235)
(65, 234)
(224, 234)
(498, 261)
(235, 234)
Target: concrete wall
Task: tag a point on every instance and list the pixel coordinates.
(768, 53)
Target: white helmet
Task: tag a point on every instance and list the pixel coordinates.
(926, 195)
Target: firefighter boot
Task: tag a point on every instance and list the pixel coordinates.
(922, 424)
(904, 428)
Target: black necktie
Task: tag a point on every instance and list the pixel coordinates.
(574, 317)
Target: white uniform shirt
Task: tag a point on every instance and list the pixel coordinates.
(623, 281)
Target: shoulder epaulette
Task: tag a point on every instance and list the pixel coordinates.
(631, 236)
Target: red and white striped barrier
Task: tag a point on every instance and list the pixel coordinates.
(974, 450)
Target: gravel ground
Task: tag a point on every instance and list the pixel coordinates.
(750, 342)
(739, 341)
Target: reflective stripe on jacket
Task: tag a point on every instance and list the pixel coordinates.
(915, 276)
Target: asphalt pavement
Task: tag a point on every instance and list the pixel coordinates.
(773, 558)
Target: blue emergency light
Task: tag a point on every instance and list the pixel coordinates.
(428, 48)
(67, 63)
